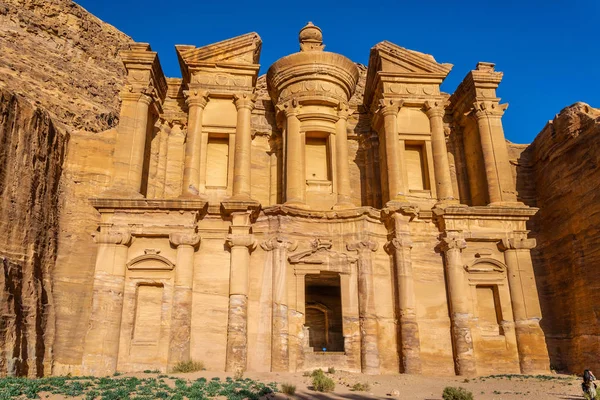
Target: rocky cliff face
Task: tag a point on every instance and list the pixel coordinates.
(561, 168)
(59, 83)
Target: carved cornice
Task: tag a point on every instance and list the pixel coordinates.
(117, 237)
(279, 242)
(184, 239)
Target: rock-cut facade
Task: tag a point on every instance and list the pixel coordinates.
(326, 214)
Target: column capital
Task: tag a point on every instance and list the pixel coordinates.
(279, 242)
(517, 244)
(244, 100)
(453, 243)
(389, 106)
(343, 110)
(488, 109)
(289, 108)
(195, 97)
(184, 239)
(361, 246)
(115, 237)
(135, 96)
(398, 243)
(237, 240)
(434, 109)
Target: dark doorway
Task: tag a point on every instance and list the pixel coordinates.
(324, 312)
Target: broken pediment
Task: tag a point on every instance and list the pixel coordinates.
(388, 57)
(321, 254)
(244, 49)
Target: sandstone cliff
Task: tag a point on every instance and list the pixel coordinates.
(59, 83)
(561, 168)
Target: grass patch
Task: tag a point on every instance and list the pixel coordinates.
(360, 387)
(321, 382)
(288, 388)
(188, 366)
(456, 393)
(111, 388)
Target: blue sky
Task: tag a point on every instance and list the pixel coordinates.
(548, 50)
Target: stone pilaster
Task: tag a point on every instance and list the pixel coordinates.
(410, 344)
(369, 328)
(501, 187)
(240, 242)
(130, 148)
(242, 164)
(295, 169)
(460, 316)
(441, 166)
(533, 353)
(393, 154)
(280, 352)
(343, 175)
(101, 347)
(181, 317)
(196, 100)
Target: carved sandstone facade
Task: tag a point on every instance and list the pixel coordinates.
(326, 214)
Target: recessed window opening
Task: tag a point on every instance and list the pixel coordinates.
(416, 167)
(217, 161)
(490, 313)
(317, 157)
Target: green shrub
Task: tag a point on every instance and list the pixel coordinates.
(188, 366)
(452, 393)
(322, 383)
(288, 388)
(331, 370)
(360, 387)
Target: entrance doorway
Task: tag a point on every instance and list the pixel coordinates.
(324, 312)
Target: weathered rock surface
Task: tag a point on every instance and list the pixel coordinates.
(32, 149)
(59, 79)
(561, 168)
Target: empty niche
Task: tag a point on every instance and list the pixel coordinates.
(418, 179)
(488, 306)
(217, 161)
(148, 306)
(317, 159)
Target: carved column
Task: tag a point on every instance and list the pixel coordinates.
(196, 100)
(460, 315)
(280, 354)
(501, 187)
(533, 353)
(366, 306)
(343, 175)
(130, 149)
(242, 164)
(295, 169)
(241, 242)
(410, 343)
(441, 166)
(181, 317)
(389, 110)
(101, 348)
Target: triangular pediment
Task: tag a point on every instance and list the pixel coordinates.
(244, 49)
(388, 57)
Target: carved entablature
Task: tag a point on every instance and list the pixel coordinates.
(224, 68)
(320, 258)
(396, 72)
(479, 85)
(144, 73)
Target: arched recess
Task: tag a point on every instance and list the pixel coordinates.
(317, 320)
(150, 262)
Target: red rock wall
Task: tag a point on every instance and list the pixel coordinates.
(563, 163)
(32, 151)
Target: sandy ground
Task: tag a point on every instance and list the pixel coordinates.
(410, 387)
